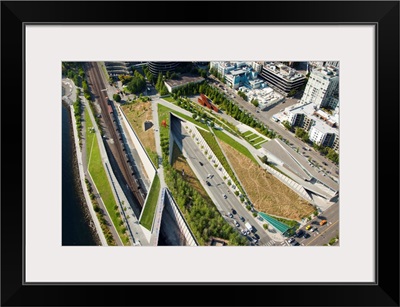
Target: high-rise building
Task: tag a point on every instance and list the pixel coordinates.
(162, 67)
(322, 89)
(281, 77)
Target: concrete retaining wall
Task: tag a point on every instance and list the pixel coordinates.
(144, 157)
(173, 208)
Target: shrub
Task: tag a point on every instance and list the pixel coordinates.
(255, 214)
(265, 226)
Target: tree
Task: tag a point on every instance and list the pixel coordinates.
(255, 102)
(286, 124)
(264, 159)
(117, 97)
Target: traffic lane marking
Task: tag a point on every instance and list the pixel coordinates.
(323, 232)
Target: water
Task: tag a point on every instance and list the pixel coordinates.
(76, 222)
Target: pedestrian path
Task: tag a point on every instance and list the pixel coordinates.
(274, 243)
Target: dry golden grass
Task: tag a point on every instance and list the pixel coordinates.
(267, 193)
(137, 113)
(179, 163)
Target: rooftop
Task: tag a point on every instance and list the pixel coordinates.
(283, 71)
(320, 117)
(183, 80)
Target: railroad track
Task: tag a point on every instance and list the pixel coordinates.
(121, 158)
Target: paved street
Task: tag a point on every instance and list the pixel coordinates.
(324, 233)
(265, 117)
(202, 168)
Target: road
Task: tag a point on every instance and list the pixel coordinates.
(202, 167)
(265, 117)
(324, 233)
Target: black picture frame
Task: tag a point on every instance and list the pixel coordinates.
(383, 14)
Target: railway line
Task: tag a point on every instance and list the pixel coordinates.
(120, 156)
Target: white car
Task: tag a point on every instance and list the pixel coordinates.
(290, 240)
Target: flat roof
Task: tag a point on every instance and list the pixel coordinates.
(309, 109)
(183, 80)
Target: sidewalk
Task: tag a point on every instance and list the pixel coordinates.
(136, 233)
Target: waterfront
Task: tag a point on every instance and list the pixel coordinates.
(77, 226)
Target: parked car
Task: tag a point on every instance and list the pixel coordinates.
(300, 233)
(308, 227)
(323, 222)
(242, 218)
(307, 235)
(237, 224)
(290, 240)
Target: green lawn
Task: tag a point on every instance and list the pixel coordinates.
(257, 140)
(169, 99)
(239, 147)
(210, 140)
(258, 146)
(151, 203)
(247, 133)
(99, 176)
(251, 137)
(165, 110)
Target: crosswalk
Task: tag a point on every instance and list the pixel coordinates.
(273, 243)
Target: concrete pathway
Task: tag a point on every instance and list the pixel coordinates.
(136, 235)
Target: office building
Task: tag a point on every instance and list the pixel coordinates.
(322, 89)
(281, 77)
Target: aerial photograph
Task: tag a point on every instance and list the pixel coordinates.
(200, 153)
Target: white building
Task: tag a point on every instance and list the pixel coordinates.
(322, 127)
(322, 89)
(223, 67)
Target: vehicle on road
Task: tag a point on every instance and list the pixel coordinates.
(290, 240)
(323, 222)
(224, 196)
(237, 224)
(242, 218)
(300, 233)
(230, 215)
(233, 211)
(248, 226)
(208, 183)
(201, 163)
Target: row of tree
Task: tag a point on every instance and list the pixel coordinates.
(203, 218)
(160, 85)
(224, 102)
